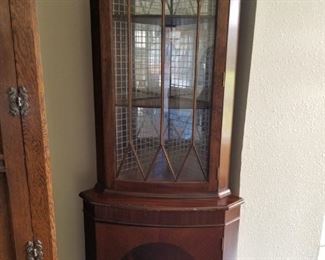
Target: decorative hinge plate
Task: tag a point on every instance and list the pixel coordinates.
(18, 101)
(34, 250)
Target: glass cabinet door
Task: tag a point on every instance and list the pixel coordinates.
(163, 66)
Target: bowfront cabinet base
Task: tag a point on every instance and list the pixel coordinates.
(125, 227)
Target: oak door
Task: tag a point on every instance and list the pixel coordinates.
(26, 208)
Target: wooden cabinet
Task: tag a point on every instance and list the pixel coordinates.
(26, 205)
(159, 79)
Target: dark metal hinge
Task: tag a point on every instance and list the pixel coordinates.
(34, 250)
(18, 101)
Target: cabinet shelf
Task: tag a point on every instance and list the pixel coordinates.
(178, 99)
(173, 103)
(170, 20)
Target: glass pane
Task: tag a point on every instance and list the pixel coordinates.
(150, 7)
(192, 170)
(204, 81)
(160, 169)
(127, 167)
(146, 81)
(181, 7)
(138, 119)
(208, 8)
(176, 146)
(179, 80)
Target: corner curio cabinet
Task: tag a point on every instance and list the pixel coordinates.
(163, 130)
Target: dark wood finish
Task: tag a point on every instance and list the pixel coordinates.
(184, 239)
(218, 92)
(132, 219)
(25, 151)
(6, 245)
(90, 235)
(230, 241)
(103, 60)
(173, 102)
(111, 218)
(162, 212)
(162, 187)
(102, 38)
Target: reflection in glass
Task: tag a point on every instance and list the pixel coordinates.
(179, 81)
(146, 80)
(204, 81)
(163, 113)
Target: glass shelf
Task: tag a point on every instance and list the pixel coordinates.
(170, 20)
(173, 103)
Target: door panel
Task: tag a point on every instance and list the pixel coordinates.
(12, 143)
(25, 185)
(30, 75)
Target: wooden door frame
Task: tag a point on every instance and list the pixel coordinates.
(29, 74)
(17, 201)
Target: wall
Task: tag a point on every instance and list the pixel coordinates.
(66, 55)
(283, 157)
(282, 170)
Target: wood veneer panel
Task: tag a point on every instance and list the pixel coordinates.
(230, 241)
(144, 201)
(114, 241)
(29, 74)
(218, 90)
(164, 212)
